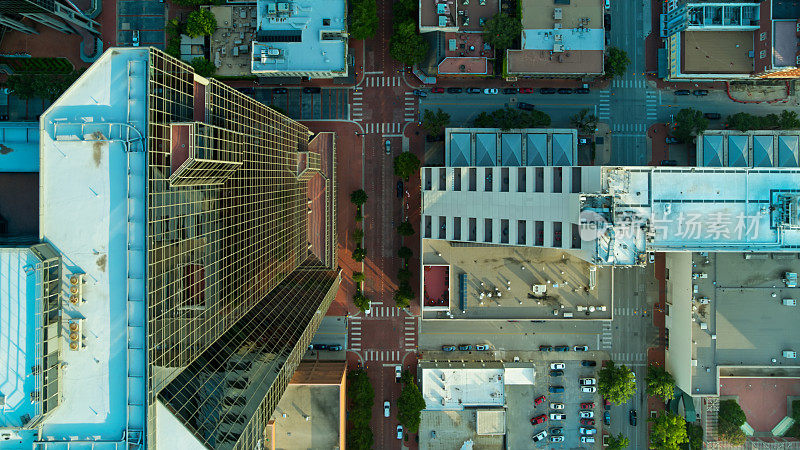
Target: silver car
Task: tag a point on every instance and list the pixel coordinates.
(388, 145)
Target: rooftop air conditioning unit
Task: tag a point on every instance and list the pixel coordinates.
(76, 288)
(557, 14)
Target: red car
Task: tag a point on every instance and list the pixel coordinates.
(587, 405)
(606, 404)
(539, 400)
(526, 90)
(437, 90)
(587, 421)
(542, 418)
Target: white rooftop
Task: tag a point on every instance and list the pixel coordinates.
(455, 389)
(568, 38)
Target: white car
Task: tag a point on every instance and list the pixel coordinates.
(539, 436)
(608, 4)
(556, 438)
(491, 91)
(588, 389)
(558, 416)
(651, 257)
(588, 431)
(398, 373)
(588, 381)
(587, 439)
(557, 365)
(386, 408)
(587, 414)
(556, 406)
(399, 432)
(581, 348)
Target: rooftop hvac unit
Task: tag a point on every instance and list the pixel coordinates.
(557, 14)
(76, 288)
(271, 9)
(557, 26)
(283, 7)
(273, 51)
(558, 48)
(557, 37)
(75, 330)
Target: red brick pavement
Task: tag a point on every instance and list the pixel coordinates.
(656, 355)
(660, 150)
(763, 400)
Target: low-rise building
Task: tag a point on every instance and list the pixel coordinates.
(755, 148)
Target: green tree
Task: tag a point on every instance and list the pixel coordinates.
(359, 277)
(405, 165)
(689, 122)
(742, 121)
(616, 62)
(203, 67)
(404, 275)
(788, 120)
(433, 122)
(731, 434)
(410, 405)
(357, 235)
(404, 10)
(405, 252)
(695, 434)
(508, 118)
(361, 301)
(617, 442)
(363, 17)
(660, 383)
(174, 30)
(403, 295)
(616, 383)
(730, 411)
(405, 229)
(668, 431)
(501, 30)
(406, 45)
(358, 197)
(362, 397)
(483, 120)
(585, 123)
(201, 23)
(359, 254)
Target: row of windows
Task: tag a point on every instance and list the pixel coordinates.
(466, 179)
(487, 236)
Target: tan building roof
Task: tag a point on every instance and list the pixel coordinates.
(717, 51)
(491, 422)
(538, 14)
(545, 61)
(465, 17)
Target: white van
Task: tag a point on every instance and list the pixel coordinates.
(791, 354)
(789, 302)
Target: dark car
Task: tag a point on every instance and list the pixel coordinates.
(582, 90)
(400, 189)
(465, 347)
(547, 90)
(561, 348)
(556, 431)
(335, 348)
(607, 21)
(668, 162)
(454, 90)
(510, 90)
(588, 363)
(565, 91)
(448, 348)
(280, 91)
(474, 90)
(525, 106)
(607, 417)
(541, 418)
(311, 90)
(319, 346)
(556, 389)
(632, 417)
(712, 116)
(587, 422)
(700, 92)
(556, 373)
(682, 92)
(545, 348)
(671, 140)
(420, 93)
(437, 90)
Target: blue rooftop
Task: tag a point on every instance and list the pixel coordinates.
(19, 147)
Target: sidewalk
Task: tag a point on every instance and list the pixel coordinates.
(657, 355)
(747, 93)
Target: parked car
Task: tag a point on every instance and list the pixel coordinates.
(587, 422)
(588, 389)
(588, 430)
(700, 92)
(558, 416)
(557, 366)
(448, 348)
(437, 90)
(607, 22)
(561, 348)
(588, 363)
(547, 90)
(556, 406)
(510, 90)
(320, 346)
(334, 348)
(481, 348)
(582, 90)
(527, 90)
(556, 389)
(491, 91)
(587, 381)
(311, 90)
(556, 373)
(556, 431)
(608, 4)
(454, 90)
(386, 408)
(587, 414)
(388, 145)
(651, 257)
(556, 438)
(465, 347)
(525, 106)
(398, 373)
(539, 400)
(280, 90)
(712, 116)
(545, 348)
(606, 404)
(541, 418)
(539, 436)
(672, 140)
(135, 38)
(420, 93)
(565, 91)
(587, 405)
(399, 188)
(607, 417)
(587, 439)
(682, 92)
(668, 162)
(399, 432)
(632, 417)
(581, 348)
(473, 90)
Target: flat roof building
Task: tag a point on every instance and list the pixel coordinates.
(755, 148)
(182, 269)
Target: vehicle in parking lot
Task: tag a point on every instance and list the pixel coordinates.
(437, 90)
(311, 90)
(587, 414)
(541, 418)
(545, 348)
(561, 348)
(682, 92)
(420, 93)
(712, 116)
(582, 90)
(399, 188)
(539, 400)
(558, 416)
(557, 366)
(588, 363)
(388, 145)
(588, 430)
(454, 90)
(700, 92)
(587, 381)
(556, 431)
(587, 422)
(668, 162)
(398, 373)
(581, 348)
(632, 417)
(556, 406)
(607, 417)
(556, 438)
(280, 91)
(481, 348)
(510, 90)
(587, 405)
(399, 432)
(565, 91)
(547, 90)
(587, 439)
(672, 140)
(491, 91)
(556, 373)
(556, 389)
(448, 348)
(588, 389)
(465, 347)
(527, 90)
(539, 436)
(386, 408)
(473, 90)
(525, 106)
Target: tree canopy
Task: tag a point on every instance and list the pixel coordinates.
(358, 235)
(508, 118)
(695, 434)
(363, 17)
(618, 442)
(359, 254)
(405, 252)
(404, 10)
(405, 228)
(361, 301)
(404, 275)
(433, 122)
(362, 396)
(410, 404)
(201, 23)
(47, 86)
(405, 165)
(668, 431)
(501, 30)
(359, 277)
(358, 197)
(787, 120)
(616, 62)
(730, 419)
(406, 45)
(585, 123)
(203, 67)
(689, 122)
(616, 383)
(660, 383)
